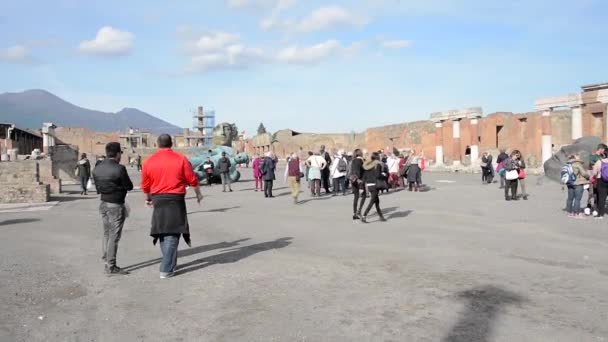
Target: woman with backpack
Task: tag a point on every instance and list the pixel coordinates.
(338, 170)
(600, 171)
(576, 188)
(413, 172)
(511, 167)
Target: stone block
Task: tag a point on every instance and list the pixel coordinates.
(19, 193)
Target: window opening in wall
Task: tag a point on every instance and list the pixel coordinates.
(498, 129)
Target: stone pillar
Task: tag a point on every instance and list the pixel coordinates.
(438, 143)
(45, 143)
(577, 122)
(457, 153)
(474, 141)
(547, 150)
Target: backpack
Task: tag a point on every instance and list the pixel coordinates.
(567, 174)
(604, 172)
(342, 166)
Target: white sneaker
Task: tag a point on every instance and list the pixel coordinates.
(164, 275)
(599, 217)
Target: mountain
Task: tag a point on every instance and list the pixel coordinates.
(31, 108)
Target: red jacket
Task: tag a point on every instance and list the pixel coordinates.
(167, 172)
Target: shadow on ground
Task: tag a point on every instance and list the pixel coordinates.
(17, 221)
(71, 198)
(218, 210)
(186, 253)
(234, 255)
(482, 307)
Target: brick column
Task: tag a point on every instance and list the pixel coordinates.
(547, 150)
(438, 143)
(577, 122)
(457, 153)
(474, 141)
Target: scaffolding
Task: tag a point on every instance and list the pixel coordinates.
(203, 125)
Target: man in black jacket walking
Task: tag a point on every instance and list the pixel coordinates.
(113, 183)
(325, 173)
(501, 158)
(224, 165)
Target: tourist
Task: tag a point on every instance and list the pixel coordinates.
(467, 151)
(422, 166)
(308, 179)
(164, 179)
(349, 161)
(294, 176)
(316, 164)
(485, 165)
(500, 161)
(522, 175)
(384, 161)
(113, 183)
(209, 168)
(413, 172)
(374, 179)
(393, 170)
(403, 170)
(268, 168)
(99, 160)
(138, 162)
(325, 171)
(592, 198)
(356, 179)
(600, 172)
(83, 171)
(576, 188)
(338, 169)
(511, 176)
(257, 173)
(224, 165)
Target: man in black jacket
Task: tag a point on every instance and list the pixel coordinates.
(356, 179)
(224, 165)
(113, 183)
(325, 173)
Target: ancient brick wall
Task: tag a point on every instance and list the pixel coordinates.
(45, 168)
(20, 183)
(89, 142)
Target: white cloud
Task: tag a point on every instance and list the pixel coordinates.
(321, 19)
(108, 42)
(211, 51)
(396, 44)
(311, 54)
(260, 4)
(17, 54)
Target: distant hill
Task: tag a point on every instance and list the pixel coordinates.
(29, 109)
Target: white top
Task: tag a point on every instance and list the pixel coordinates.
(334, 168)
(393, 165)
(316, 162)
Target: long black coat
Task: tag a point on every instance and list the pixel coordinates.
(268, 169)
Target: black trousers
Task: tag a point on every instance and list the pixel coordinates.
(602, 192)
(268, 188)
(512, 185)
(359, 191)
(325, 179)
(374, 200)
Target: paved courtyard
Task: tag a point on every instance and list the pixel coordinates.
(456, 263)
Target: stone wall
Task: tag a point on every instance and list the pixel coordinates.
(20, 183)
(86, 141)
(45, 168)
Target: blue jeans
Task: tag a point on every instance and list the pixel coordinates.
(83, 183)
(573, 203)
(168, 247)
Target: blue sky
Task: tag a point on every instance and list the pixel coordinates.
(303, 64)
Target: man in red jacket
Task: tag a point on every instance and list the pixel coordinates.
(165, 176)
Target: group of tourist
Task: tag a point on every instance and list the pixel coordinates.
(511, 169)
(578, 177)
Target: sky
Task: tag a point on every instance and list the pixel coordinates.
(312, 66)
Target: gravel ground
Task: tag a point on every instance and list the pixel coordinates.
(456, 263)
